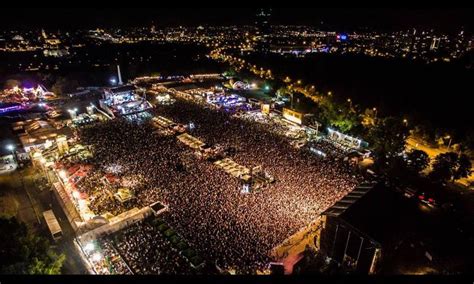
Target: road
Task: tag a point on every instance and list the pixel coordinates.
(414, 143)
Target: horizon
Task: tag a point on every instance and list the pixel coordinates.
(330, 18)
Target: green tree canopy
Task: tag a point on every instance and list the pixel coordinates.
(388, 138)
(418, 160)
(450, 166)
(64, 85)
(230, 72)
(337, 115)
(24, 253)
(463, 167)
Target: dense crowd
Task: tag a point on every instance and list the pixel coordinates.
(113, 263)
(101, 194)
(147, 251)
(206, 207)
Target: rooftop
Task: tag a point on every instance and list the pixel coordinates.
(124, 88)
(376, 211)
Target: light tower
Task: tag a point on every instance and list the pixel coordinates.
(119, 75)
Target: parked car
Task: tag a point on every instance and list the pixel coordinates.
(428, 200)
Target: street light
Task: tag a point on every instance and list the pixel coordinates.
(11, 148)
(63, 174)
(405, 121)
(450, 139)
(89, 247)
(375, 112)
(350, 103)
(72, 112)
(96, 257)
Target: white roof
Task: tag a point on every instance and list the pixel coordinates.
(52, 222)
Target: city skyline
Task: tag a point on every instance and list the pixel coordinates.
(449, 20)
(236, 141)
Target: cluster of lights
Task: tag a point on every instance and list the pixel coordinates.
(90, 249)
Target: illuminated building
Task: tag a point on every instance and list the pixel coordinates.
(55, 52)
(293, 116)
(63, 146)
(40, 134)
(25, 95)
(262, 24)
(123, 100)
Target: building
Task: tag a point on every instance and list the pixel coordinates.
(123, 100)
(3, 44)
(40, 134)
(263, 30)
(363, 231)
(342, 239)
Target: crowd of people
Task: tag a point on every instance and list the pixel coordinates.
(206, 206)
(147, 251)
(330, 148)
(113, 263)
(102, 199)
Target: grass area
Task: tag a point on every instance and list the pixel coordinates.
(168, 233)
(157, 222)
(182, 245)
(8, 206)
(177, 242)
(196, 261)
(189, 253)
(163, 227)
(175, 239)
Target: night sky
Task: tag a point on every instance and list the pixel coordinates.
(342, 19)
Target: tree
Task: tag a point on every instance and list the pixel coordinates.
(368, 118)
(337, 115)
(463, 167)
(418, 160)
(450, 166)
(230, 73)
(468, 143)
(64, 85)
(396, 169)
(387, 138)
(283, 91)
(426, 131)
(443, 166)
(24, 253)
